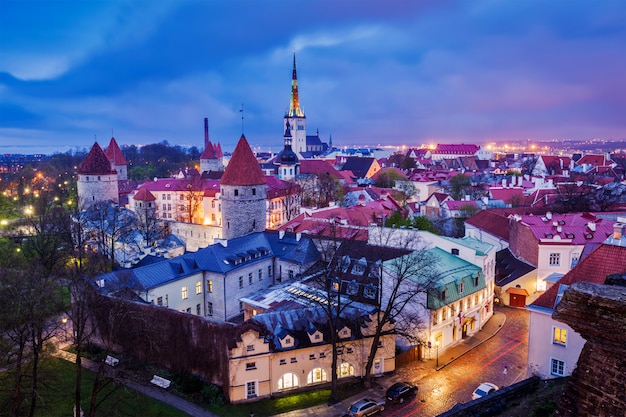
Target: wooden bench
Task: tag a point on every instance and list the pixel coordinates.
(110, 360)
(160, 382)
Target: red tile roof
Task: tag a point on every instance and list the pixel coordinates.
(492, 222)
(96, 162)
(210, 151)
(507, 194)
(243, 168)
(574, 226)
(144, 195)
(114, 153)
(604, 261)
(462, 148)
(318, 167)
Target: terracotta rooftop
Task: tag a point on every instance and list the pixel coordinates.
(456, 148)
(209, 152)
(604, 261)
(114, 153)
(144, 195)
(243, 168)
(491, 222)
(96, 162)
(580, 228)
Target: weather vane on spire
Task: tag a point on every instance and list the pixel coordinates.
(241, 111)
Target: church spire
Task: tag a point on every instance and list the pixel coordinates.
(294, 105)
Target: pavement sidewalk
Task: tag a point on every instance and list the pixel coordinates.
(379, 386)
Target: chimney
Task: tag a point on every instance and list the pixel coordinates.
(618, 231)
(298, 236)
(206, 132)
(281, 234)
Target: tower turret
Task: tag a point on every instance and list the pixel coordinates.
(287, 162)
(97, 181)
(244, 189)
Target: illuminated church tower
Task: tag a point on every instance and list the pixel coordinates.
(295, 118)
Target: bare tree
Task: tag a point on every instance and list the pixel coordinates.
(190, 200)
(404, 279)
(107, 224)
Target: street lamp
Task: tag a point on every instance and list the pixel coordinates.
(437, 346)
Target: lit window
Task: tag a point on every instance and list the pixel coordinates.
(560, 336)
(184, 293)
(209, 286)
(199, 287)
(316, 375)
(557, 367)
(287, 381)
(345, 370)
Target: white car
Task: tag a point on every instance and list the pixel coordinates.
(483, 389)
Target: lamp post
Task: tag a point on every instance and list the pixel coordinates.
(437, 346)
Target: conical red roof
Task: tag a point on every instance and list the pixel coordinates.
(114, 153)
(209, 151)
(96, 162)
(243, 168)
(144, 195)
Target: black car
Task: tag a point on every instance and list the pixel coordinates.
(399, 391)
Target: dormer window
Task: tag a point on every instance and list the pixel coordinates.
(369, 291)
(455, 251)
(443, 294)
(461, 287)
(353, 288)
(236, 192)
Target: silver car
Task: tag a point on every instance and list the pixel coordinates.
(365, 407)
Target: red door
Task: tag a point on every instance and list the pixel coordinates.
(516, 300)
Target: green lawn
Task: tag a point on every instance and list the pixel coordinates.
(57, 390)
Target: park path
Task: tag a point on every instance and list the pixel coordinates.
(149, 390)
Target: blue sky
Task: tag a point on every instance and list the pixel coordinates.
(369, 72)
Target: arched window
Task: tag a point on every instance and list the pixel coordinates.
(288, 381)
(345, 369)
(316, 376)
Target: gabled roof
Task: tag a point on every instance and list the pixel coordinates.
(577, 228)
(594, 160)
(359, 166)
(238, 253)
(96, 162)
(243, 168)
(210, 151)
(492, 222)
(114, 153)
(507, 194)
(467, 149)
(604, 261)
(509, 268)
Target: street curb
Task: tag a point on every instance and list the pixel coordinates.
(474, 346)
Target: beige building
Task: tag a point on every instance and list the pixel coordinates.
(288, 350)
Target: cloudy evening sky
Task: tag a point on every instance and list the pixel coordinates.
(369, 71)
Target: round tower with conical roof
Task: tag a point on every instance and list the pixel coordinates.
(211, 158)
(118, 162)
(243, 193)
(97, 181)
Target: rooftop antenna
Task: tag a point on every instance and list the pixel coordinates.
(112, 135)
(95, 137)
(241, 111)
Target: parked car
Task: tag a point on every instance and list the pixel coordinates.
(365, 407)
(483, 389)
(399, 391)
